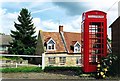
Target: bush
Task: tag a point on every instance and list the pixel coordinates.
(77, 70)
(104, 67)
(62, 68)
(21, 69)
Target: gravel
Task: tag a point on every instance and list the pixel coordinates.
(41, 75)
(48, 75)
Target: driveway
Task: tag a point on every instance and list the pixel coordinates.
(44, 76)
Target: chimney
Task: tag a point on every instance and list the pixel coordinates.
(60, 28)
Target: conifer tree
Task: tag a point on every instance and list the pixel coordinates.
(24, 40)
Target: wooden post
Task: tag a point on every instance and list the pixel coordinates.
(39, 65)
(16, 65)
(43, 61)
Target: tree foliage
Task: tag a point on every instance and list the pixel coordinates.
(24, 40)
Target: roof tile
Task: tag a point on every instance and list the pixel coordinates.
(56, 37)
(70, 38)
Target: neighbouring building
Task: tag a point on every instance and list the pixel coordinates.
(119, 8)
(115, 29)
(60, 48)
(4, 43)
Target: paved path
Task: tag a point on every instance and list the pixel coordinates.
(53, 80)
(43, 76)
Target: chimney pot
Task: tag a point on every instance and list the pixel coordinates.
(60, 28)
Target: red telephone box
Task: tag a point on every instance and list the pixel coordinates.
(94, 38)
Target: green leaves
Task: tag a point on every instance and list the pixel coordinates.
(24, 40)
(104, 67)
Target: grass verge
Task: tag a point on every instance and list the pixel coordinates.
(78, 70)
(21, 69)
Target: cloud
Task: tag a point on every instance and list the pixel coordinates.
(37, 21)
(2, 11)
(49, 25)
(73, 8)
(25, 0)
(7, 20)
(46, 25)
(37, 24)
(74, 25)
(42, 10)
(77, 8)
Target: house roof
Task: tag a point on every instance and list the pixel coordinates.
(47, 39)
(57, 38)
(73, 43)
(5, 39)
(70, 39)
(117, 20)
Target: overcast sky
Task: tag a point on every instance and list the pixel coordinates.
(48, 14)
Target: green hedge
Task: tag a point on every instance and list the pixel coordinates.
(21, 69)
(39, 69)
(52, 68)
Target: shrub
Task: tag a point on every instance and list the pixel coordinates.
(77, 70)
(50, 68)
(104, 67)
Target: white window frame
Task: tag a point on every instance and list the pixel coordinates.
(62, 60)
(79, 61)
(77, 48)
(52, 60)
(51, 45)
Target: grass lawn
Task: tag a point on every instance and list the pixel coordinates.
(21, 69)
(10, 58)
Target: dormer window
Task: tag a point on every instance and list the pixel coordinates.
(77, 48)
(51, 44)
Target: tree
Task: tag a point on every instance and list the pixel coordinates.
(24, 40)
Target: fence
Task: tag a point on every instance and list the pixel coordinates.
(10, 63)
(44, 56)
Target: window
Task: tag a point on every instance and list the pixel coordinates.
(62, 60)
(95, 41)
(77, 48)
(51, 60)
(51, 44)
(93, 59)
(79, 61)
(3, 48)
